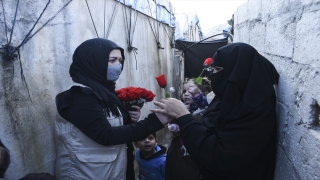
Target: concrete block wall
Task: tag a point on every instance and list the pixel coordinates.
(287, 33)
(27, 122)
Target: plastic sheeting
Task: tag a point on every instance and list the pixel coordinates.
(162, 11)
(184, 22)
(219, 29)
(195, 55)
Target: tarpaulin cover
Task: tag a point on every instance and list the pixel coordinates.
(195, 55)
(184, 22)
(161, 11)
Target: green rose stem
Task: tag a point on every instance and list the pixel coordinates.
(198, 80)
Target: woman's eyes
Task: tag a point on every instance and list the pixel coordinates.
(114, 60)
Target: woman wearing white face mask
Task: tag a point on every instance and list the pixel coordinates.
(95, 132)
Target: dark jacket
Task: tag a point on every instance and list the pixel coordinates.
(180, 165)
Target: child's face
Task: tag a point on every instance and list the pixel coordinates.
(148, 144)
(189, 90)
(193, 89)
(187, 98)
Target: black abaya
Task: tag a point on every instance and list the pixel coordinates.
(237, 139)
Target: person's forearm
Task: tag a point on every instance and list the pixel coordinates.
(128, 133)
(86, 113)
(197, 138)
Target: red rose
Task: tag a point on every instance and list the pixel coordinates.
(139, 92)
(208, 62)
(123, 97)
(131, 94)
(134, 93)
(148, 95)
(162, 81)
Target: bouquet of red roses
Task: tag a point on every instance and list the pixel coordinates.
(134, 96)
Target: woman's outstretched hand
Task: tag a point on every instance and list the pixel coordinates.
(165, 119)
(135, 115)
(171, 107)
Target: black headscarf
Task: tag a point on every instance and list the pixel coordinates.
(247, 77)
(89, 67)
(242, 114)
(249, 70)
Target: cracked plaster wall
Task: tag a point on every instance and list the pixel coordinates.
(287, 33)
(27, 123)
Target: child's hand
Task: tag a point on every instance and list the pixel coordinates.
(135, 115)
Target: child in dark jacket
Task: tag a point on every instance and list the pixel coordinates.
(151, 158)
(193, 97)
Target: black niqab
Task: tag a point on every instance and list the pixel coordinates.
(247, 77)
(89, 67)
(249, 70)
(242, 115)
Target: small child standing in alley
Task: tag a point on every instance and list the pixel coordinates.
(151, 158)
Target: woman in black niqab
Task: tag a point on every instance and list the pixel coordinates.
(237, 136)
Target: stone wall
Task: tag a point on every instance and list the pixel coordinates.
(27, 115)
(287, 33)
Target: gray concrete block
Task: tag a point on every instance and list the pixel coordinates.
(307, 47)
(255, 7)
(241, 14)
(280, 36)
(310, 2)
(241, 33)
(283, 164)
(273, 8)
(257, 35)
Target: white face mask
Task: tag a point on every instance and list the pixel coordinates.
(113, 72)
